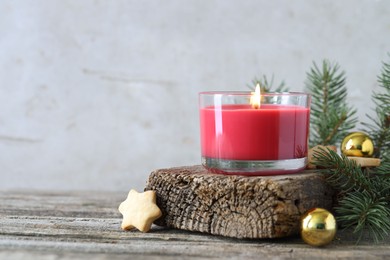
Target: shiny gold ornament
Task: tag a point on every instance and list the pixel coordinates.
(318, 227)
(357, 144)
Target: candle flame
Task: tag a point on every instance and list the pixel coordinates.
(255, 98)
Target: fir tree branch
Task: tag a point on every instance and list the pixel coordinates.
(267, 85)
(379, 127)
(383, 169)
(364, 194)
(331, 117)
(343, 174)
(362, 210)
(335, 129)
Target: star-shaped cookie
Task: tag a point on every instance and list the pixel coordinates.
(139, 210)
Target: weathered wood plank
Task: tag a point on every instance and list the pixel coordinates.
(71, 204)
(191, 198)
(87, 225)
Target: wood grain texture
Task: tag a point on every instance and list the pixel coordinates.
(86, 225)
(193, 199)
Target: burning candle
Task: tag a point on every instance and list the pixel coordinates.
(252, 134)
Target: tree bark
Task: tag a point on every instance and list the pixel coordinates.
(191, 198)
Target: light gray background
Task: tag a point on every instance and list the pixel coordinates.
(96, 94)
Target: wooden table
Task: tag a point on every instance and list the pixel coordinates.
(69, 225)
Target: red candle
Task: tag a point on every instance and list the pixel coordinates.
(246, 133)
(239, 132)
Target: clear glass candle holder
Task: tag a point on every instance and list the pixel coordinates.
(268, 139)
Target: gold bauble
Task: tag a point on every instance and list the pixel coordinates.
(357, 144)
(318, 227)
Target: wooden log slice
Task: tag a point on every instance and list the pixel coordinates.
(191, 198)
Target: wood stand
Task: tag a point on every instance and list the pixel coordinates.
(191, 198)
